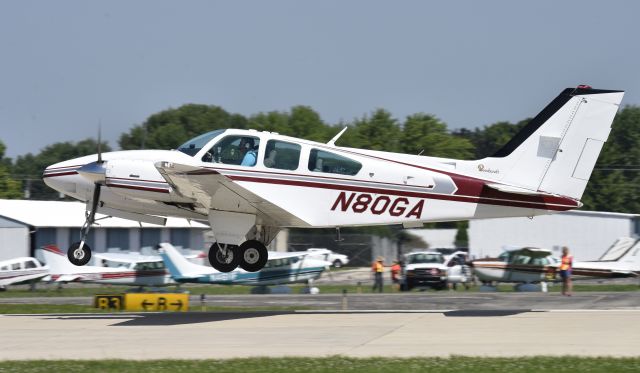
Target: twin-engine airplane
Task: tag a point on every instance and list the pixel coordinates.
(251, 184)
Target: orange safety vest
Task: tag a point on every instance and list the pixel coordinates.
(377, 267)
(566, 262)
(395, 270)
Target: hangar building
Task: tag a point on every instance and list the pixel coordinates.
(26, 225)
(587, 233)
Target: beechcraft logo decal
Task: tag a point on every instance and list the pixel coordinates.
(482, 168)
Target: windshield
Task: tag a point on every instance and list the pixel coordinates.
(425, 258)
(194, 145)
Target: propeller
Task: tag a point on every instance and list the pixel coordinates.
(95, 171)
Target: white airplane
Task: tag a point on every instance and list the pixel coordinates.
(248, 184)
(133, 272)
(531, 265)
(281, 268)
(21, 270)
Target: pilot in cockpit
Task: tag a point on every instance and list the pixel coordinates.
(248, 152)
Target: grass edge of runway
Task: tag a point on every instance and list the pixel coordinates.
(453, 364)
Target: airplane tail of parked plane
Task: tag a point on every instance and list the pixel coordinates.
(179, 267)
(624, 250)
(557, 150)
(56, 260)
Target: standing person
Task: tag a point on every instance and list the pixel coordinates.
(395, 275)
(377, 268)
(566, 264)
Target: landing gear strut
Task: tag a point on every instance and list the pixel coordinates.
(80, 253)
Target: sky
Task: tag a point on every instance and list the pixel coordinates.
(67, 65)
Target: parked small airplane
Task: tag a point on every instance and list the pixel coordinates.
(136, 272)
(248, 184)
(21, 270)
(531, 265)
(281, 268)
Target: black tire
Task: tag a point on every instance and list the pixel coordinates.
(337, 263)
(440, 285)
(221, 262)
(77, 256)
(253, 256)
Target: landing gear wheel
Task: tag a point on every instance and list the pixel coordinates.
(79, 256)
(337, 263)
(223, 257)
(254, 255)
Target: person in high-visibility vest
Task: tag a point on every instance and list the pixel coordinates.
(566, 264)
(377, 268)
(395, 275)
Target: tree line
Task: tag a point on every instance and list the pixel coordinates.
(613, 185)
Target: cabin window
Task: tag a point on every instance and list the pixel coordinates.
(194, 145)
(30, 264)
(238, 150)
(282, 155)
(4, 268)
(321, 161)
(15, 266)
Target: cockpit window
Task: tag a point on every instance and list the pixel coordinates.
(282, 155)
(194, 145)
(321, 161)
(425, 258)
(236, 149)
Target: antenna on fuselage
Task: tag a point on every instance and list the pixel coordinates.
(335, 138)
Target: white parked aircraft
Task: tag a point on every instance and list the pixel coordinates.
(136, 272)
(531, 265)
(250, 184)
(281, 268)
(21, 270)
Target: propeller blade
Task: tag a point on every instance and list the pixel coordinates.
(100, 142)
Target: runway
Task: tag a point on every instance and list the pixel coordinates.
(313, 333)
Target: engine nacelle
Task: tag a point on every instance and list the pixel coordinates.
(139, 179)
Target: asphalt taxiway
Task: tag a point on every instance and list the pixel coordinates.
(359, 334)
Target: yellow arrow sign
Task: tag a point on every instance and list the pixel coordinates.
(156, 302)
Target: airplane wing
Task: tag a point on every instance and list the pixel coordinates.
(68, 278)
(208, 188)
(127, 258)
(533, 252)
(283, 255)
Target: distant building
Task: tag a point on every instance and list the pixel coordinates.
(27, 225)
(587, 233)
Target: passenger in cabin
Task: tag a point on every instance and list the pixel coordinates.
(249, 154)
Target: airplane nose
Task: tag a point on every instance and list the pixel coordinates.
(93, 171)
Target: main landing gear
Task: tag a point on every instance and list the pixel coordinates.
(251, 256)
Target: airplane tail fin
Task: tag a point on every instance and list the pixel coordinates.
(624, 249)
(56, 260)
(558, 149)
(179, 267)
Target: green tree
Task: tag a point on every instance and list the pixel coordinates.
(9, 188)
(170, 128)
(491, 138)
(615, 182)
(380, 131)
(425, 133)
(29, 167)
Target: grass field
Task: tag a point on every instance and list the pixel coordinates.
(453, 364)
(90, 290)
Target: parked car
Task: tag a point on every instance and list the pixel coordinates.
(433, 269)
(337, 260)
